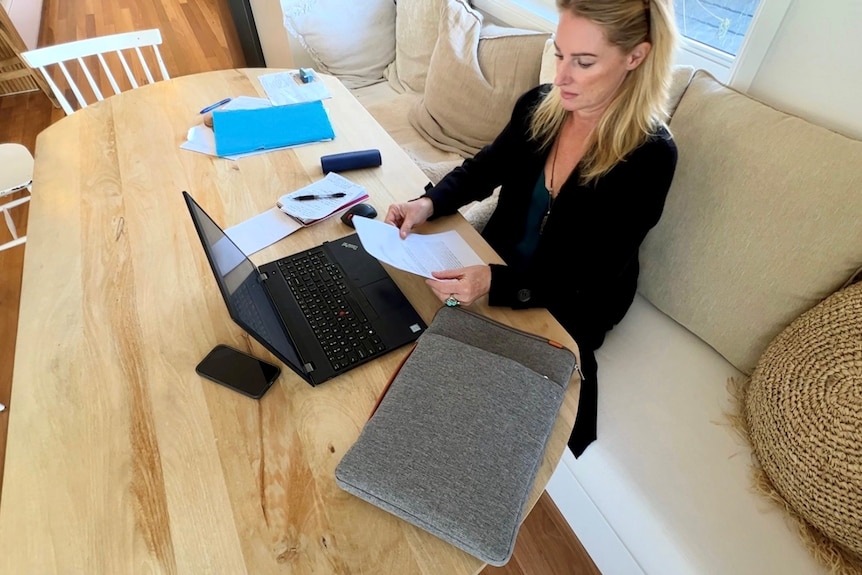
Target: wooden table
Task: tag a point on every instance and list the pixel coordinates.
(120, 458)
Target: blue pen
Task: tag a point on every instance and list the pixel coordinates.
(214, 106)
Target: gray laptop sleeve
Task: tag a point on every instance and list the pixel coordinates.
(455, 444)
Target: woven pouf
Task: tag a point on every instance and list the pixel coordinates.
(803, 412)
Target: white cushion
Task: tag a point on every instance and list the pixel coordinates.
(352, 40)
(668, 473)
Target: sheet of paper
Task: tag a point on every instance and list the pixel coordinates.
(312, 210)
(284, 88)
(417, 253)
(201, 138)
(246, 103)
(262, 230)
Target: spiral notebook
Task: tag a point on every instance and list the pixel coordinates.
(321, 199)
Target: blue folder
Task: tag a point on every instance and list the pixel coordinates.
(243, 131)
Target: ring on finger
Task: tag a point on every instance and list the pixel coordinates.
(451, 301)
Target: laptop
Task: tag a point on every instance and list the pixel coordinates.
(322, 311)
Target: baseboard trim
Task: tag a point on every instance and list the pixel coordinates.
(597, 536)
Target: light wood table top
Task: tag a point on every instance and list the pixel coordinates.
(120, 458)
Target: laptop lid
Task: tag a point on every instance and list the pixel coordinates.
(240, 284)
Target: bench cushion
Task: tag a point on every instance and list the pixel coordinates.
(668, 472)
(390, 110)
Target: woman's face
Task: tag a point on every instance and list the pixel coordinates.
(590, 70)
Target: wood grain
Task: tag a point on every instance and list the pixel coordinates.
(198, 36)
(11, 267)
(158, 467)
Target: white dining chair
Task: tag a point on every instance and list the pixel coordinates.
(62, 56)
(16, 174)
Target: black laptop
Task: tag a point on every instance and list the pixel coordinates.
(321, 311)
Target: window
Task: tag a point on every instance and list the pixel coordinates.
(729, 38)
(720, 24)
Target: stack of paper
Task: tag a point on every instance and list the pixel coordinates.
(326, 197)
(291, 215)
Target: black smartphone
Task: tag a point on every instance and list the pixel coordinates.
(238, 370)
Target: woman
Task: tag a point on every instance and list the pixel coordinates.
(584, 168)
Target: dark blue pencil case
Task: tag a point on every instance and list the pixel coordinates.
(350, 161)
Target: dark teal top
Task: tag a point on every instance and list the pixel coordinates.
(539, 205)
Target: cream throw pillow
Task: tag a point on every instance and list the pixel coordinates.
(416, 25)
(475, 76)
(352, 40)
(762, 221)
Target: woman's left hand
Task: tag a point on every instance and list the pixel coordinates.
(470, 284)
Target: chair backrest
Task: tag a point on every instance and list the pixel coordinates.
(61, 54)
(16, 174)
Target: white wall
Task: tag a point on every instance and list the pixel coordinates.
(274, 39)
(26, 16)
(813, 67)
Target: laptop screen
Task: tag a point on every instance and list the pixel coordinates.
(239, 281)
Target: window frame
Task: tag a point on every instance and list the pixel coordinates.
(762, 31)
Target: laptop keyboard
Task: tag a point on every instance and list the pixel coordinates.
(244, 304)
(342, 329)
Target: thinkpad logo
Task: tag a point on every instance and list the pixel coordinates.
(353, 247)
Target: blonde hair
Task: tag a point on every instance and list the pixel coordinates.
(640, 106)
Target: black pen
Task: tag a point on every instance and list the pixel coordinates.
(317, 197)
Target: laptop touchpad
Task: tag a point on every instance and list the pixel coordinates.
(384, 297)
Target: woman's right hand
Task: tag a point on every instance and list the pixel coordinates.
(407, 215)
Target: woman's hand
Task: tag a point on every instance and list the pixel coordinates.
(407, 215)
(469, 283)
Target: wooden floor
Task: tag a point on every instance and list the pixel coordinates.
(199, 36)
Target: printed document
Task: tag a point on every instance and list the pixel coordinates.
(285, 88)
(419, 254)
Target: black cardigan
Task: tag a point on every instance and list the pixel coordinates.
(585, 267)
